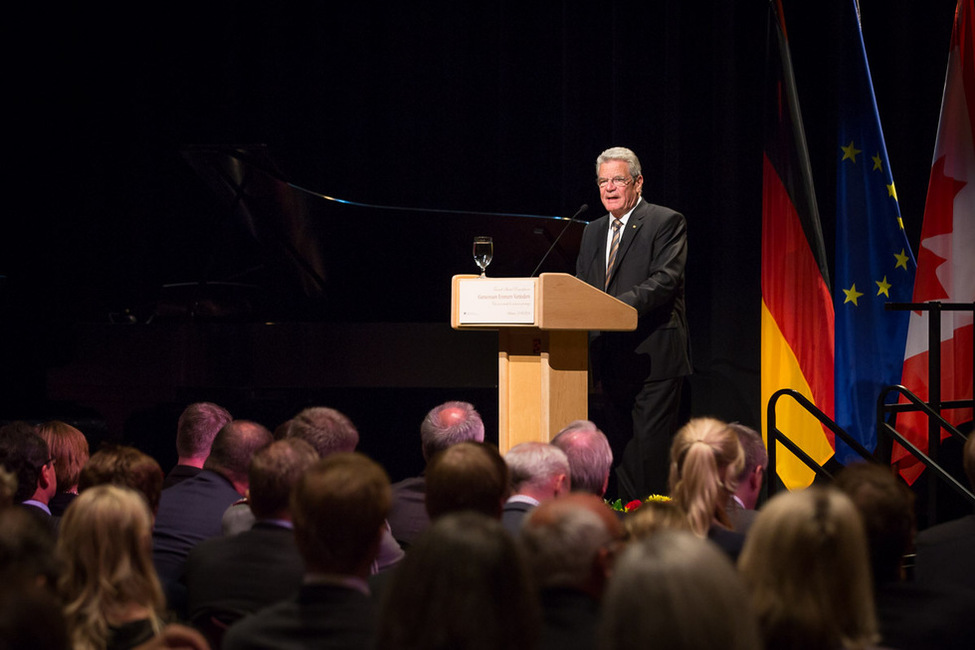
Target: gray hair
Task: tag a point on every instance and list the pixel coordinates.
(754, 448)
(533, 463)
(623, 154)
(589, 454)
(561, 548)
(448, 424)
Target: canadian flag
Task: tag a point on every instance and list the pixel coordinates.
(946, 255)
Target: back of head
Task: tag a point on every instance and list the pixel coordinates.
(464, 584)
(590, 456)
(753, 446)
(274, 470)
(705, 460)
(125, 466)
(674, 590)
(566, 541)
(23, 453)
(448, 424)
(466, 476)
(325, 429)
(69, 447)
(105, 545)
(535, 464)
(806, 566)
(339, 507)
(197, 427)
(26, 551)
(887, 508)
(235, 445)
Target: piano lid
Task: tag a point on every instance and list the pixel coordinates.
(316, 261)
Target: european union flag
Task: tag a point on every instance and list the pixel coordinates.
(874, 262)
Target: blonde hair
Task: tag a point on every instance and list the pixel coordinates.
(806, 564)
(105, 546)
(705, 461)
(654, 516)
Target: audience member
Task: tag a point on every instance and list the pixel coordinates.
(25, 454)
(467, 476)
(8, 488)
(69, 447)
(705, 460)
(339, 507)
(230, 576)
(329, 432)
(570, 544)
(806, 566)
(191, 510)
(911, 616)
(30, 612)
(464, 584)
(125, 466)
(538, 471)
(652, 516)
(673, 590)
(944, 551)
(590, 456)
(743, 504)
(197, 427)
(112, 597)
(445, 425)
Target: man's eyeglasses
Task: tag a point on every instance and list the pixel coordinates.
(618, 181)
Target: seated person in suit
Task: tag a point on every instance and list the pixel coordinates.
(25, 454)
(705, 461)
(445, 425)
(339, 508)
(911, 615)
(69, 447)
(126, 466)
(191, 511)
(464, 584)
(328, 431)
(674, 590)
(539, 471)
(570, 543)
(229, 576)
(742, 507)
(467, 476)
(590, 456)
(196, 429)
(944, 551)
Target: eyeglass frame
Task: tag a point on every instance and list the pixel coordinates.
(617, 181)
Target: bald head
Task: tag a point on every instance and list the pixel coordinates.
(448, 424)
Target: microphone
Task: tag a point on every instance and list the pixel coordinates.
(582, 208)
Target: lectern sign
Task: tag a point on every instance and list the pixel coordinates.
(489, 300)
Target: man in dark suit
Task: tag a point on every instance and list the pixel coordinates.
(570, 544)
(944, 551)
(230, 576)
(25, 454)
(191, 511)
(539, 472)
(637, 253)
(339, 508)
(445, 425)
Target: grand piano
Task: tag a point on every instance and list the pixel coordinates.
(314, 300)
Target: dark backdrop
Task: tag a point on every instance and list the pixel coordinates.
(481, 106)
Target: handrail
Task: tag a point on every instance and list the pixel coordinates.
(930, 463)
(777, 435)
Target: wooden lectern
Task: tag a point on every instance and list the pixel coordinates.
(543, 345)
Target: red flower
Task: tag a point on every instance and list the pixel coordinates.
(632, 505)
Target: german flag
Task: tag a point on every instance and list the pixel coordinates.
(797, 307)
